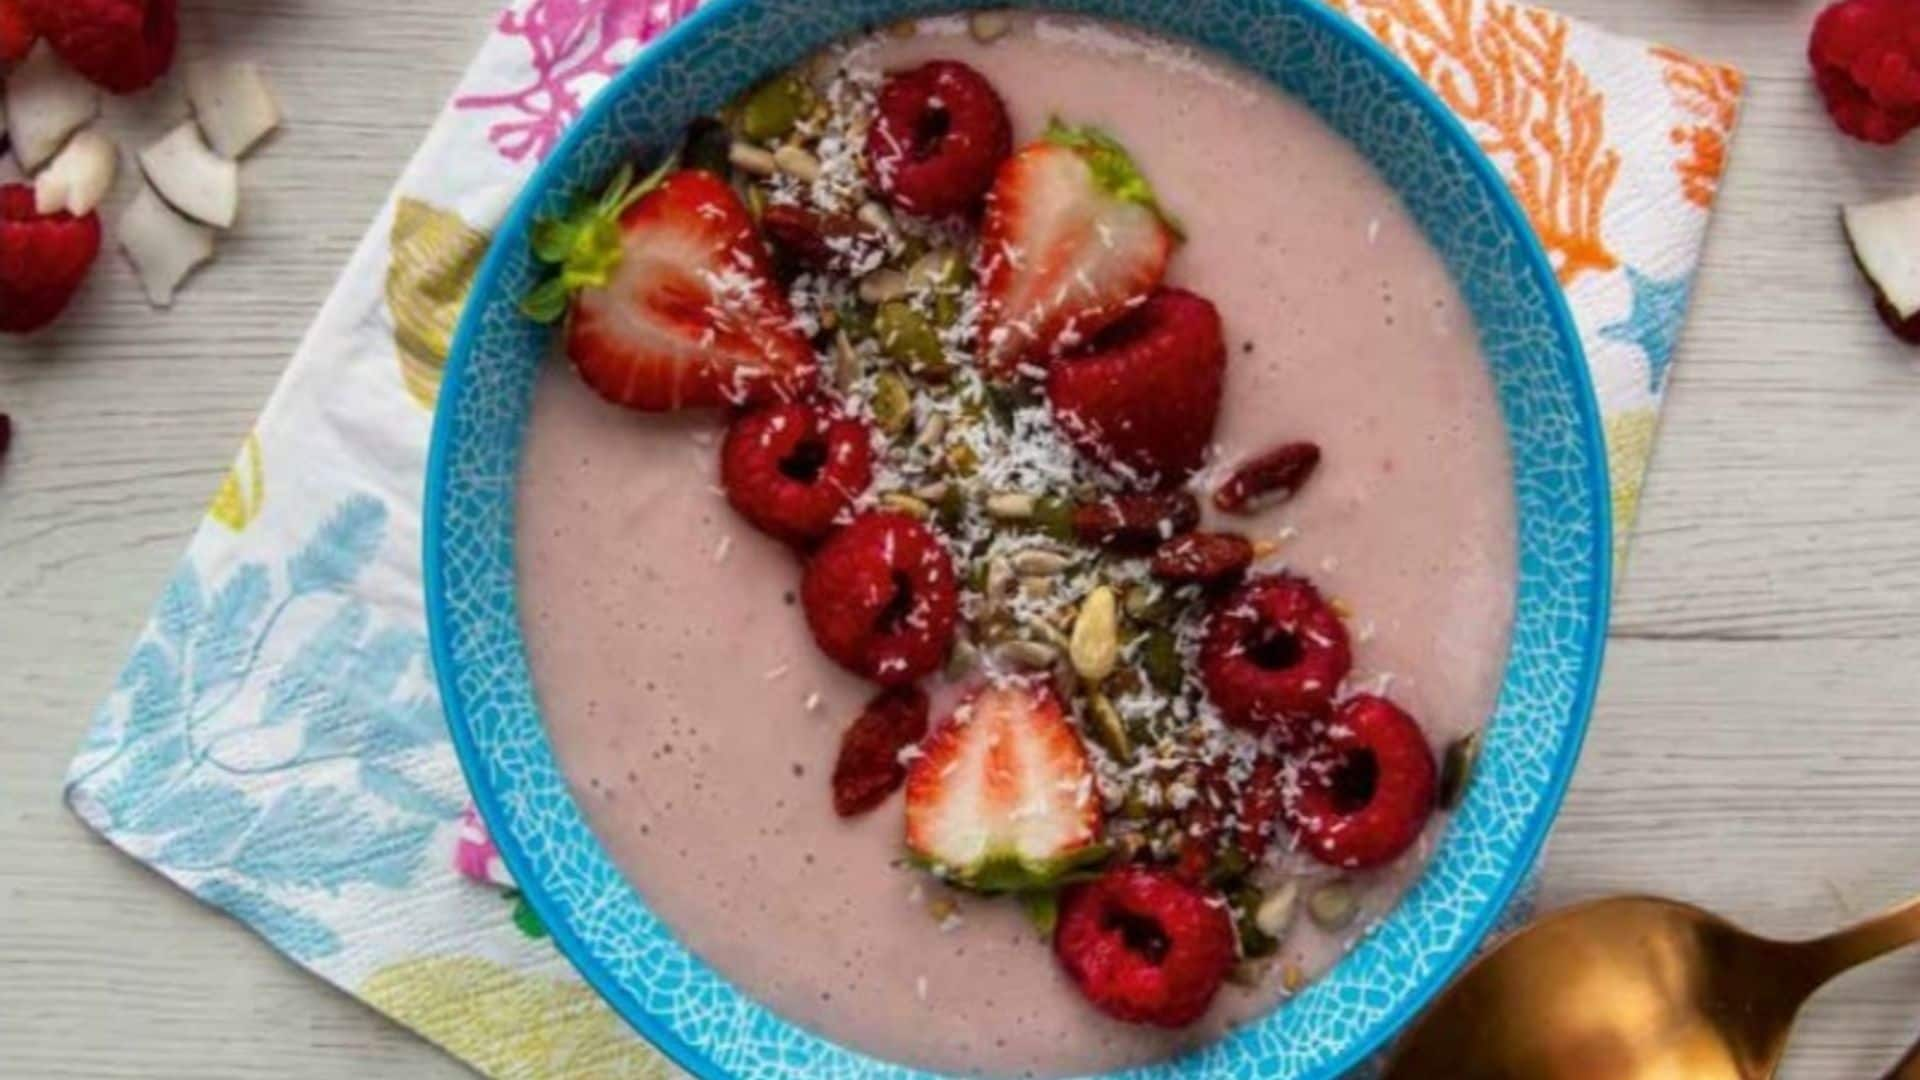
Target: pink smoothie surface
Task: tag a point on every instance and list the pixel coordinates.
(698, 722)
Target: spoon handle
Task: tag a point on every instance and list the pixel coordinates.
(1835, 953)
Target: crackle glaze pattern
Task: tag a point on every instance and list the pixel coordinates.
(1561, 500)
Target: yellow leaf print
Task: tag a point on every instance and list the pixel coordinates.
(1629, 448)
(512, 1026)
(243, 492)
(1505, 70)
(435, 255)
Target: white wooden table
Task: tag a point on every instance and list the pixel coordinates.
(1756, 747)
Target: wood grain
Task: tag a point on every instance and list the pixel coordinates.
(1754, 748)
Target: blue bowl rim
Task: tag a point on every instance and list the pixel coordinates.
(515, 229)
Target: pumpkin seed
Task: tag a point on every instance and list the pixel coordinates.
(1053, 516)
(1333, 906)
(1160, 654)
(988, 27)
(892, 403)
(1096, 635)
(908, 339)
(962, 460)
(1457, 771)
(941, 268)
(1108, 728)
(774, 108)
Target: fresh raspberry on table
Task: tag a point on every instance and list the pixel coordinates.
(1273, 654)
(1371, 789)
(121, 45)
(793, 469)
(44, 258)
(1866, 61)
(1144, 946)
(941, 133)
(881, 598)
(1144, 398)
(869, 767)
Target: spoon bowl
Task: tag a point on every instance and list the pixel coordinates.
(1634, 988)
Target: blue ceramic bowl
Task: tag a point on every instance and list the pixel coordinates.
(1560, 489)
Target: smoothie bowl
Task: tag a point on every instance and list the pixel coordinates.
(1017, 543)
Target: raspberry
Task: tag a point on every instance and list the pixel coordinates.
(881, 599)
(1143, 400)
(121, 45)
(1273, 655)
(1371, 789)
(1269, 479)
(1145, 947)
(44, 258)
(1203, 559)
(16, 33)
(1136, 523)
(793, 469)
(1866, 62)
(869, 767)
(941, 133)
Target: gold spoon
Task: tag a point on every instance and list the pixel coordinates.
(1636, 989)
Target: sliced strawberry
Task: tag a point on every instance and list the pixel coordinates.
(672, 302)
(1072, 240)
(1003, 799)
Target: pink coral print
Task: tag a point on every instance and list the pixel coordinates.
(573, 45)
(474, 855)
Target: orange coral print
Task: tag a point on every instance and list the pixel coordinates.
(1711, 93)
(1504, 69)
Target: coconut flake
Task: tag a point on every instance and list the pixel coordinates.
(197, 182)
(46, 101)
(78, 178)
(232, 104)
(163, 246)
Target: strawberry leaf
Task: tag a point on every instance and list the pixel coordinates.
(547, 302)
(1114, 170)
(586, 241)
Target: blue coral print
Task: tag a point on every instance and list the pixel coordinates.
(270, 787)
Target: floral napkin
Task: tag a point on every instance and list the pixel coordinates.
(275, 745)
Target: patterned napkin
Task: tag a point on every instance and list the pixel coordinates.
(275, 745)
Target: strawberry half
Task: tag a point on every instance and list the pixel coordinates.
(1072, 239)
(1003, 798)
(668, 297)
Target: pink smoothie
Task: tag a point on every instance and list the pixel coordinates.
(698, 722)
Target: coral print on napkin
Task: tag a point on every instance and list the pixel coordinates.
(573, 48)
(275, 744)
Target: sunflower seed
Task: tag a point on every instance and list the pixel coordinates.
(882, 285)
(1096, 635)
(1039, 562)
(1010, 506)
(749, 158)
(1031, 655)
(988, 27)
(797, 162)
(906, 504)
(1276, 909)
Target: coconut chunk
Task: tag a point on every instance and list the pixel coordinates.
(198, 182)
(163, 245)
(233, 105)
(46, 102)
(79, 176)
(1886, 240)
